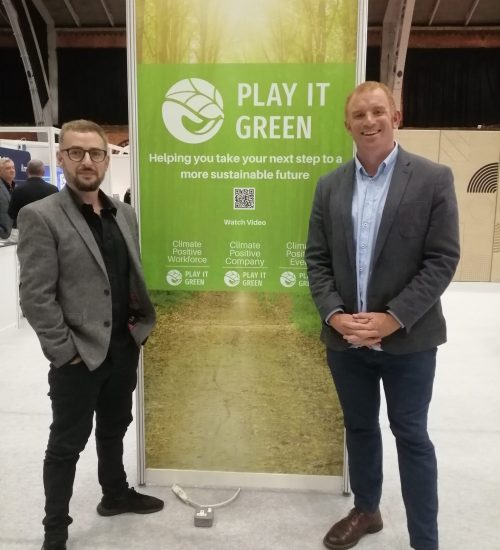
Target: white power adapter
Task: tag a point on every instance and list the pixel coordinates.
(204, 517)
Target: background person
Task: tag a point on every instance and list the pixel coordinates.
(33, 189)
(383, 246)
(7, 184)
(82, 289)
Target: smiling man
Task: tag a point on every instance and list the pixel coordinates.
(82, 290)
(383, 246)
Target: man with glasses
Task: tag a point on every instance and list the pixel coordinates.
(83, 291)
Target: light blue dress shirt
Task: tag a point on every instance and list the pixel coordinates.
(370, 193)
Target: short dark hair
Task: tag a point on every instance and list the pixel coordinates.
(35, 167)
(82, 125)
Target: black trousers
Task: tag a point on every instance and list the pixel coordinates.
(76, 394)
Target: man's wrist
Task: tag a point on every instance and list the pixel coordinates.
(396, 318)
(330, 316)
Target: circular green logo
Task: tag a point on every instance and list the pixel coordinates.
(192, 110)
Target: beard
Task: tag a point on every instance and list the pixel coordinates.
(82, 184)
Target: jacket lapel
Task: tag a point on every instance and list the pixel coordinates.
(345, 200)
(4, 191)
(127, 235)
(397, 188)
(76, 218)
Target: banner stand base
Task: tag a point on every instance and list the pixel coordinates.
(201, 478)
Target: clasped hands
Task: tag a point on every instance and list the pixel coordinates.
(365, 328)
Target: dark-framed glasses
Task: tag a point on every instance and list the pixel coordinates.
(77, 154)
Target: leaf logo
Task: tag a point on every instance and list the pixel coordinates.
(288, 279)
(193, 110)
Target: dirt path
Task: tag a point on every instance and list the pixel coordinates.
(231, 385)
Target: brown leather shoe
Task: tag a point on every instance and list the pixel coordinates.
(347, 532)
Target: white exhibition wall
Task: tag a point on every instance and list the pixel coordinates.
(117, 179)
(9, 296)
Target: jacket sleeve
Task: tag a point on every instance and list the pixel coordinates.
(39, 273)
(318, 256)
(440, 255)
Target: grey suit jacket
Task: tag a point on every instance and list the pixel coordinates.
(415, 255)
(5, 220)
(64, 285)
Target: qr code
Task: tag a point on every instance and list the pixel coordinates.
(244, 198)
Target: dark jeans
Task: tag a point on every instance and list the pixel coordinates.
(76, 393)
(408, 381)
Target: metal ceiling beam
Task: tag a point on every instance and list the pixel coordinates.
(42, 114)
(395, 35)
(469, 15)
(434, 11)
(47, 108)
(73, 13)
(444, 37)
(109, 38)
(109, 15)
(52, 59)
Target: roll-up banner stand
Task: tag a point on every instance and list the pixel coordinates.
(236, 110)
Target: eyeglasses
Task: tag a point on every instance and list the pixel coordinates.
(77, 154)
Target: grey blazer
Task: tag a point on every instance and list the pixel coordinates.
(64, 286)
(416, 252)
(5, 220)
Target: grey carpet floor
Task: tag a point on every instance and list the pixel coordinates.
(464, 425)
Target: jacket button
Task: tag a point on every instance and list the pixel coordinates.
(107, 324)
(106, 292)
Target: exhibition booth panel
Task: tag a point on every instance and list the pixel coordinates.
(9, 293)
(229, 133)
(22, 143)
(473, 156)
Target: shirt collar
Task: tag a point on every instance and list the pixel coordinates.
(387, 163)
(107, 205)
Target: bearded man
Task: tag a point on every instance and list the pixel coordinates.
(83, 291)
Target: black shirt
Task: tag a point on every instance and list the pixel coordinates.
(114, 251)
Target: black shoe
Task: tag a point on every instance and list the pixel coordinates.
(132, 502)
(53, 545)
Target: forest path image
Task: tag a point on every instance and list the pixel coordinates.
(231, 384)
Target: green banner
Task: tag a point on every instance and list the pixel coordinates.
(229, 157)
(239, 112)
